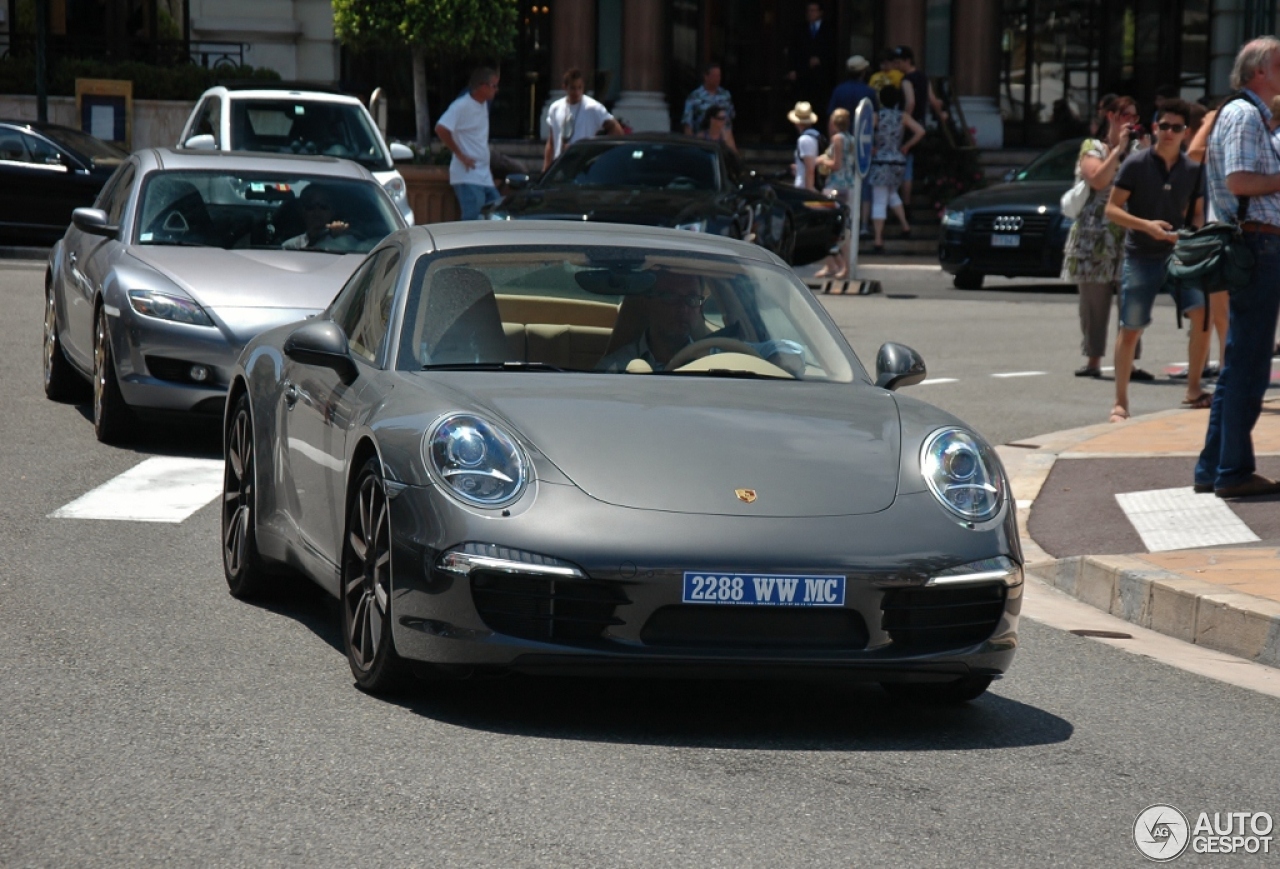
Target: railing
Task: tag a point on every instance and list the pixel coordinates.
(160, 52)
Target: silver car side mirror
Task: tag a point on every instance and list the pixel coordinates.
(94, 221)
(322, 343)
(202, 142)
(400, 152)
(898, 365)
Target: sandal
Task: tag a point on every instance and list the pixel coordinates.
(1203, 401)
(823, 272)
(1118, 414)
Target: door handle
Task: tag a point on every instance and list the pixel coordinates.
(71, 257)
(290, 396)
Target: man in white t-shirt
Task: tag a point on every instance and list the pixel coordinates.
(575, 117)
(464, 129)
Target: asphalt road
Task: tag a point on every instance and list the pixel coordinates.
(148, 719)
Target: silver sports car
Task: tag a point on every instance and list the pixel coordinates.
(532, 447)
(186, 255)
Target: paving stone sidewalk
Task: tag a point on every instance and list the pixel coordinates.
(1222, 597)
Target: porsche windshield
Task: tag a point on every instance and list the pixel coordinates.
(257, 210)
(307, 127)
(636, 165)
(612, 310)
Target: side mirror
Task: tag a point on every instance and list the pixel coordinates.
(322, 343)
(518, 181)
(1009, 175)
(898, 365)
(94, 222)
(202, 142)
(400, 152)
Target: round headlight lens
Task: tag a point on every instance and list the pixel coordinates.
(477, 461)
(955, 467)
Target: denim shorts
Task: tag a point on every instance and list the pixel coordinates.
(910, 174)
(473, 197)
(1144, 279)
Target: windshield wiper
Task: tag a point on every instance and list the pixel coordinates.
(491, 366)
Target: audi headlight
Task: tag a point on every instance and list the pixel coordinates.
(693, 226)
(953, 219)
(477, 461)
(960, 474)
(168, 306)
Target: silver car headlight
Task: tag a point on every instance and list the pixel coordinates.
(168, 306)
(953, 219)
(476, 460)
(958, 473)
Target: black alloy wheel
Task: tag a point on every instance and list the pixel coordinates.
(366, 585)
(967, 279)
(938, 693)
(112, 419)
(241, 564)
(61, 382)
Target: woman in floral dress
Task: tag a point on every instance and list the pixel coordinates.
(838, 163)
(1094, 253)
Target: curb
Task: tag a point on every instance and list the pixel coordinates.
(1129, 588)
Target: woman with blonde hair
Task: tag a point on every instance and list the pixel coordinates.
(838, 164)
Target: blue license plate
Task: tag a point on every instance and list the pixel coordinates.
(763, 589)
(1006, 240)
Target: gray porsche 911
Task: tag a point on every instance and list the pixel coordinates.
(527, 447)
(187, 255)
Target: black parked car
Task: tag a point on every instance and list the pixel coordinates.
(657, 179)
(1015, 229)
(47, 172)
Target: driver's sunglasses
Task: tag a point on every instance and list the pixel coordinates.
(1167, 128)
(688, 301)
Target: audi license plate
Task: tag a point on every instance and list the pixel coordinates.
(761, 589)
(1006, 240)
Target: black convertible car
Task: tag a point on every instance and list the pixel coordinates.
(1015, 229)
(658, 179)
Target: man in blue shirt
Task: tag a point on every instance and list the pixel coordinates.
(854, 89)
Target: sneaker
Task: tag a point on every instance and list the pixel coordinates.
(1142, 375)
(1088, 371)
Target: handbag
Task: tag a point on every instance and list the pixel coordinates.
(1073, 201)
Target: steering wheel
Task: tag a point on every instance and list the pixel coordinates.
(701, 348)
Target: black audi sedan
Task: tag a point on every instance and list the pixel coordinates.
(681, 182)
(1015, 229)
(46, 172)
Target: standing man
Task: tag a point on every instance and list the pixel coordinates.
(464, 129)
(575, 117)
(1242, 171)
(853, 89)
(918, 98)
(813, 57)
(707, 96)
(1152, 192)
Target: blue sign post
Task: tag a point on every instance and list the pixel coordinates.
(863, 138)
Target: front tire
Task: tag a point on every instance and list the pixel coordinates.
(938, 693)
(112, 419)
(241, 563)
(366, 586)
(61, 382)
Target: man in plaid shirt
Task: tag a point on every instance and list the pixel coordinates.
(1242, 161)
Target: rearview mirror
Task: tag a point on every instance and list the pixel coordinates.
(322, 343)
(93, 221)
(400, 152)
(898, 365)
(616, 281)
(202, 142)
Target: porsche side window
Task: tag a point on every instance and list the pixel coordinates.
(368, 329)
(351, 309)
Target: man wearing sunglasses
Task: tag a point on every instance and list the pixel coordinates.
(1152, 192)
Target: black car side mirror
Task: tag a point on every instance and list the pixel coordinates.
(518, 181)
(94, 221)
(322, 343)
(898, 365)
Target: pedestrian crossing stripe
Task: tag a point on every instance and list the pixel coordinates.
(161, 489)
(1168, 519)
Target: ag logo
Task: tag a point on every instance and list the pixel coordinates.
(1161, 833)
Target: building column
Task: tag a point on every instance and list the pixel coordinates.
(904, 25)
(573, 45)
(975, 60)
(642, 103)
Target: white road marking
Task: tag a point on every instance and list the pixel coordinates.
(1019, 374)
(933, 380)
(162, 489)
(1168, 519)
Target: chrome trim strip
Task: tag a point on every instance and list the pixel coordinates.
(463, 563)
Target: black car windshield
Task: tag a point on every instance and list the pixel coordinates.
(616, 311)
(1056, 164)
(636, 165)
(264, 211)
(95, 149)
(298, 126)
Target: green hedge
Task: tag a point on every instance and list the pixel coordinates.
(185, 82)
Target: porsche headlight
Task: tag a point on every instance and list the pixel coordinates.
(953, 219)
(958, 473)
(477, 461)
(168, 306)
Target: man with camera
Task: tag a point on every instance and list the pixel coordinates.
(1242, 168)
(1150, 199)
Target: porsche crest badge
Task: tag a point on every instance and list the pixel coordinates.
(747, 496)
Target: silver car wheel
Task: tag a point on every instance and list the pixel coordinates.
(112, 419)
(50, 336)
(237, 497)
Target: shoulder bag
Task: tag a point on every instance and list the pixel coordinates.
(1074, 200)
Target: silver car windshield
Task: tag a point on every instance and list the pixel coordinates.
(263, 211)
(287, 126)
(616, 310)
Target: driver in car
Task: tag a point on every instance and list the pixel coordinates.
(675, 310)
(323, 231)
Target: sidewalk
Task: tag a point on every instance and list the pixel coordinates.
(1107, 515)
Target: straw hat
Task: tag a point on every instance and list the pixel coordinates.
(857, 63)
(803, 113)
